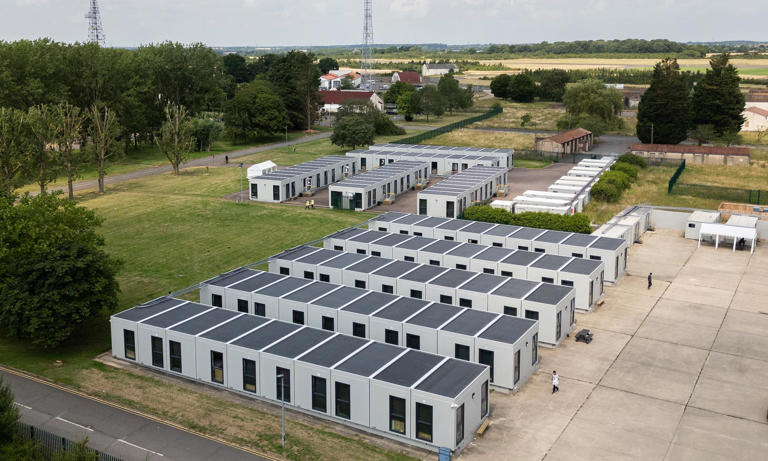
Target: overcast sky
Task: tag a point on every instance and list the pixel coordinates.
(330, 22)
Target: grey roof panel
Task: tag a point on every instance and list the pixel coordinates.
(424, 273)
(580, 240)
(370, 359)
(411, 219)
(396, 269)
(415, 243)
(340, 297)
(284, 286)
(433, 222)
(393, 239)
(266, 335)
(515, 288)
(296, 253)
(347, 233)
(553, 236)
(494, 254)
(369, 236)
(235, 328)
(299, 343)
(205, 321)
(334, 350)
(521, 258)
(230, 277)
(409, 368)
(390, 216)
(467, 250)
(451, 378)
(369, 265)
(177, 315)
(258, 282)
(441, 246)
(401, 309)
(319, 256)
(370, 303)
(453, 278)
(551, 262)
(607, 243)
(549, 294)
(581, 266)
(478, 227)
(142, 311)
(454, 224)
(470, 322)
(507, 329)
(346, 259)
(528, 233)
(435, 315)
(311, 291)
(484, 283)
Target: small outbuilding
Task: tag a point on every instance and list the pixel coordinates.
(696, 219)
(574, 141)
(260, 169)
(407, 77)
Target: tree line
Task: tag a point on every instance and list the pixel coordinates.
(628, 46)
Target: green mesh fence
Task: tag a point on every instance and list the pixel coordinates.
(728, 194)
(675, 177)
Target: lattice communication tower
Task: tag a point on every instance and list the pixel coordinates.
(95, 30)
(367, 62)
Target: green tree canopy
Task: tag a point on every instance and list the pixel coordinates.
(13, 154)
(500, 86)
(175, 138)
(454, 97)
(717, 100)
(353, 131)
(397, 89)
(664, 113)
(522, 88)
(552, 85)
(591, 105)
(55, 272)
(295, 78)
(326, 64)
(235, 67)
(432, 102)
(255, 111)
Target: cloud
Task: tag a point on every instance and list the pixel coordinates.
(31, 2)
(414, 8)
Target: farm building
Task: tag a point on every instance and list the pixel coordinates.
(439, 163)
(368, 189)
(613, 252)
(438, 69)
(505, 156)
(755, 119)
(333, 100)
(407, 77)
(704, 155)
(456, 287)
(294, 181)
(449, 198)
(425, 399)
(570, 142)
(585, 276)
(386, 318)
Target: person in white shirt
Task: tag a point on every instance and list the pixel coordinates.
(555, 380)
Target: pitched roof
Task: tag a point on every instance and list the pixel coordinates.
(409, 77)
(564, 137)
(340, 97)
(757, 111)
(756, 96)
(686, 149)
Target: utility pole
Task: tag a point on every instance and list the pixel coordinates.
(95, 30)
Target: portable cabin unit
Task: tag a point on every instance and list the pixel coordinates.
(408, 250)
(516, 264)
(613, 230)
(743, 221)
(294, 307)
(613, 253)
(696, 219)
(549, 242)
(506, 205)
(460, 257)
(582, 191)
(421, 329)
(523, 239)
(509, 337)
(587, 277)
(504, 156)
(546, 269)
(553, 305)
(585, 172)
(372, 187)
(443, 289)
(457, 338)
(469, 232)
(332, 271)
(414, 283)
(426, 227)
(384, 246)
(449, 198)
(268, 300)
(574, 180)
(434, 253)
(384, 280)
(497, 235)
(487, 261)
(387, 323)
(355, 314)
(404, 224)
(321, 373)
(439, 163)
(124, 325)
(357, 275)
(450, 230)
(381, 222)
(524, 203)
(576, 245)
(294, 181)
(572, 198)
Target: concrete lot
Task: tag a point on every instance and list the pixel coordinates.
(677, 372)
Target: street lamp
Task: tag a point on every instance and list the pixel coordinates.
(240, 196)
(282, 409)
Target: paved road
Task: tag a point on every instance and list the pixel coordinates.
(202, 161)
(609, 143)
(109, 429)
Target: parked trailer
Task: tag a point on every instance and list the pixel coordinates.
(415, 397)
(370, 188)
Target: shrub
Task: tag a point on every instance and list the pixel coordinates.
(578, 222)
(618, 179)
(633, 159)
(605, 192)
(627, 169)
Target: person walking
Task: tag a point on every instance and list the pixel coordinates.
(226, 159)
(650, 280)
(555, 382)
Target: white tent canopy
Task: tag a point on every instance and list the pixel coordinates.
(261, 169)
(724, 230)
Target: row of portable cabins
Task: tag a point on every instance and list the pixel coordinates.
(505, 156)
(450, 197)
(585, 276)
(508, 345)
(368, 189)
(307, 177)
(551, 305)
(629, 225)
(611, 251)
(413, 396)
(440, 163)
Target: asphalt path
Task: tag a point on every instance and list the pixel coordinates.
(110, 429)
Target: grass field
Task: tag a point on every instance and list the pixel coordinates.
(481, 138)
(750, 137)
(543, 114)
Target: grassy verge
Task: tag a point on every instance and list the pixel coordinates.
(750, 137)
(481, 138)
(526, 163)
(543, 114)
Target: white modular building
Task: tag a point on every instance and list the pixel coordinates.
(416, 397)
(504, 156)
(585, 172)
(584, 275)
(387, 318)
(461, 288)
(582, 191)
(449, 198)
(579, 200)
(294, 181)
(612, 251)
(696, 219)
(372, 187)
(440, 163)
(523, 203)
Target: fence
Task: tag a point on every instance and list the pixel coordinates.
(51, 444)
(675, 177)
(728, 194)
(416, 139)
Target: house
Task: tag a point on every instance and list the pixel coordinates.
(755, 119)
(438, 69)
(332, 100)
(757, 98)
(570, 142)
(334, 79)
(705, 155)
(407, 77)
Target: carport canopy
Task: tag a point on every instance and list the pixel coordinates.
(724, 230)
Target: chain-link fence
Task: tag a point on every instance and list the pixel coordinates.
(727, 194)
(675, 177)
(416, 139)
(51, 444)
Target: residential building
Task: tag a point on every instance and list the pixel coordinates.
(407, 77)
(438, 69)
(332, 100)
(755, 119)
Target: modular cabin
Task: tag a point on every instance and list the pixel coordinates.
(415, 397)
(505, 156)
(523, 203)
(372, 187)
(439, 163)
(307, 177)
(582, 191)
(696, 219)
(449, 198)
(570, 198)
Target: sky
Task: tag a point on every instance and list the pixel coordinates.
(130, 23)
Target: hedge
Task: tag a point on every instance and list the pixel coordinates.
(578, 222)
(633, 159)
(617, 178)
(627, 169)
(605, 191)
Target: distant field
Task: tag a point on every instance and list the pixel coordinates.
(480, 138)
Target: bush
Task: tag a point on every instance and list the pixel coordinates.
(605, 192)
(578, 222)
(353, 131)
(618, 179)
(633, 159)
(627, 169)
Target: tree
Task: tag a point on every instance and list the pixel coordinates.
(347, 83)
(255, 111)
(42, 134)
(500, 86)
(717, 99)
(397, 89)
(552, 85)
(448, 87)
(234, 66)
(103, 131)
(9, 413)
(590, 102)
(352, 131)
(175, 140)
(525, 119)
(55, 273)
(68, 126)
(432, 102)
(409, 104)
(77, 452)
(522, 88)
(294, 78)
(205, 132)
(327, 64)
(665, 106)
(13, 157)
(702, 134)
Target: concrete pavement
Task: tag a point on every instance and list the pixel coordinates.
(110, 429)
